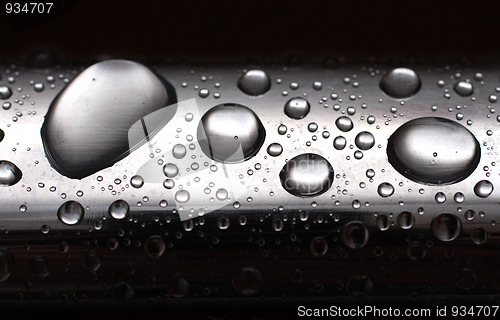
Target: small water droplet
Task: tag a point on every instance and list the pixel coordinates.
(297, 108)
(355, 235)
(254, 82)
(365, 140)
(274, 149)
(136, 181)
(400, 83)
(344, 124)
(483, 188)
(446, 227)
(182, 196)
(385, 190)
(463, 88)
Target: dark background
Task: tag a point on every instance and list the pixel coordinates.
(157, 30)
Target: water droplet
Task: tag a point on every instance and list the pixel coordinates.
(344, 124)
(92, 261)
(219, 127)
(5, 92)
(274, 149)
(463, 88)
(154, 247)
(102, 119)
(307, 175)
(179, 151)
(365, 140)
(483, 188)
(178, 286)
(39, 87)
(411, 151)
(339, 142)
(119, 209)
(382, 222)
(440, 197)
(70, 212)
(385, 189)
(359, 286)
(400, 83)
(39, 266)
(406, 220)
(416, 251)
(355, 235)
(297, 108)
(248, 280)
(168, 183)
(312, 127)
(459, 197)
(319, 246)
(317, 85)
(446, 227)
(370, 173)
(221, 194)
(136, 181)
(10, 174)
(254, 82)
(170, 170)
(204, 93)
(478, 236)
(6, 264)
(182, 196)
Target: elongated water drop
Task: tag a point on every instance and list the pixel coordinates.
(10, 174)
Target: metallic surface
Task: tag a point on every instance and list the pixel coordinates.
(169, 247)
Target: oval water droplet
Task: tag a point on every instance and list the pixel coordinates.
(119, 209)
(446, 227)
(230, 133)
(483, 188)
(382, 222)
(70, 212)
(365, 140)
(10, 174)
(385, 189)
(6, 264)
(344, 124)
(307, 175)
(136, 181)
(319, 246)
(154, 247)
(297, 108)
(248, 280)
(182, 196)
(221, 194)
(274, 149)
(355, 235)
(463, 89)
(109, 97)
(413, 146)
(254, 82)
(406, 220)
(339, 143)
(178, 286)
(400, 83)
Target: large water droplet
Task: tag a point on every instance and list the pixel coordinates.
(446, 227)
(307, 175)
(483, 188)
(87, 126)
(230, 133)
(10, 174)
(463, 88)
(365, 140)
(70, 212)
(433, 151)
(254, 82)
(355, 235)
(385, 189)
(400, 83)
(119, 209)
(297, 108)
